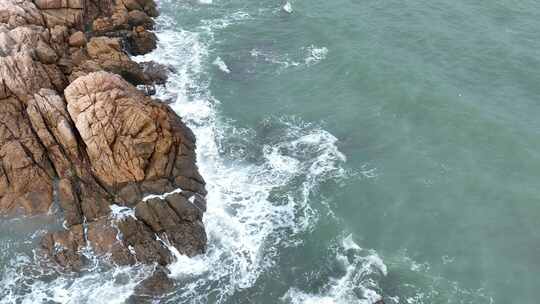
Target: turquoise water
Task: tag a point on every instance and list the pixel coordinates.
(353, 150)
(436, 103)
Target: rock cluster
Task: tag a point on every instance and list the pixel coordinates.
(75, 130)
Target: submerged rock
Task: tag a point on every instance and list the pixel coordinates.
(75, 129)
(150, 289)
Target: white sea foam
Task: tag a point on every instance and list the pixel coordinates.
(121, 212)
(287, 7)
(304, 57)
(242, 222)
(315, 54)
(357, 285)
(245, 226)
(161, 196)
(221, 65)
(23, 282)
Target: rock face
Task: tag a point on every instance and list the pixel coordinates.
(74, 129)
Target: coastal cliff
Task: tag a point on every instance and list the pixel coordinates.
(75, 130)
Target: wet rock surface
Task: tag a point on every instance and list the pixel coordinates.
(74, 129)
(150, 289)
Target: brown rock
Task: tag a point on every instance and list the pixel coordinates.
(22, 77)
(98, 140)
(139, 18)
(105, 239)
(136, 138)
(77, 39)
(142, 240)
(185, 209)
(63, 247)
(20, 12)
(25, 173)
(177, 221)
(157, 284)
(31, 40)
(155, 72)
(132, 5)
(53, 126)
(69, 17)
(52, 4)
(141, 41)
(107, 54)
(69, 201)
(149, 7)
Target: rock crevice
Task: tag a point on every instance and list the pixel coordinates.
(74, 127)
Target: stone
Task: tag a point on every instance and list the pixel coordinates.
(16, 13)
(155, 72)
(104, 238)
(77, 39)
(142, 240)
(141, 41)
(63, 247)
(140, 18)
(75, 129)
(157, 284)
(106, 53)
(135, 136)
(26, 176)
(176, 220)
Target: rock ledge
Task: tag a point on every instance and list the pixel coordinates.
(74, 129)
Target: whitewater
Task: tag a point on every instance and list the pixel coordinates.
(353, 152)
(245, 226)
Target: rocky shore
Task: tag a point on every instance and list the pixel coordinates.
(77, 132)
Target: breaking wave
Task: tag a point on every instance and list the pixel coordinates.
(260, 183)
(358, 284)
(244, 169)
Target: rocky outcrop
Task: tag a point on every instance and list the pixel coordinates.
(74, 129)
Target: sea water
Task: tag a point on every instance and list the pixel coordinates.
(353, 150)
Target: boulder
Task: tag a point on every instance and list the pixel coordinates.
(128, 137)
(157, 284)
(177, 220)
(140, 18)
(74, 129)
(155, 72)
(16, 13)
(141, 41)
(26, 175)
(77, 39)
(105, 53)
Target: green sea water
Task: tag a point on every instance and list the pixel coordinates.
(353, 151)
(435, 104)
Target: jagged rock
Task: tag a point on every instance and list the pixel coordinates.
(157, 284)
(104, 239)
(139, 18)
(64, 246)
(51, 123)
(16, 13)
(141, 41)
(155, 72)
(31, 40)
(177, 220)
(128, 137)
(73, 128)
(133, 5)
(77, 39)
(106, 54)
(22, 77)
(26, 177)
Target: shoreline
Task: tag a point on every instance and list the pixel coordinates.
(77, 131)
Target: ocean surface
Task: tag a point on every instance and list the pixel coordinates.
(353, 150)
